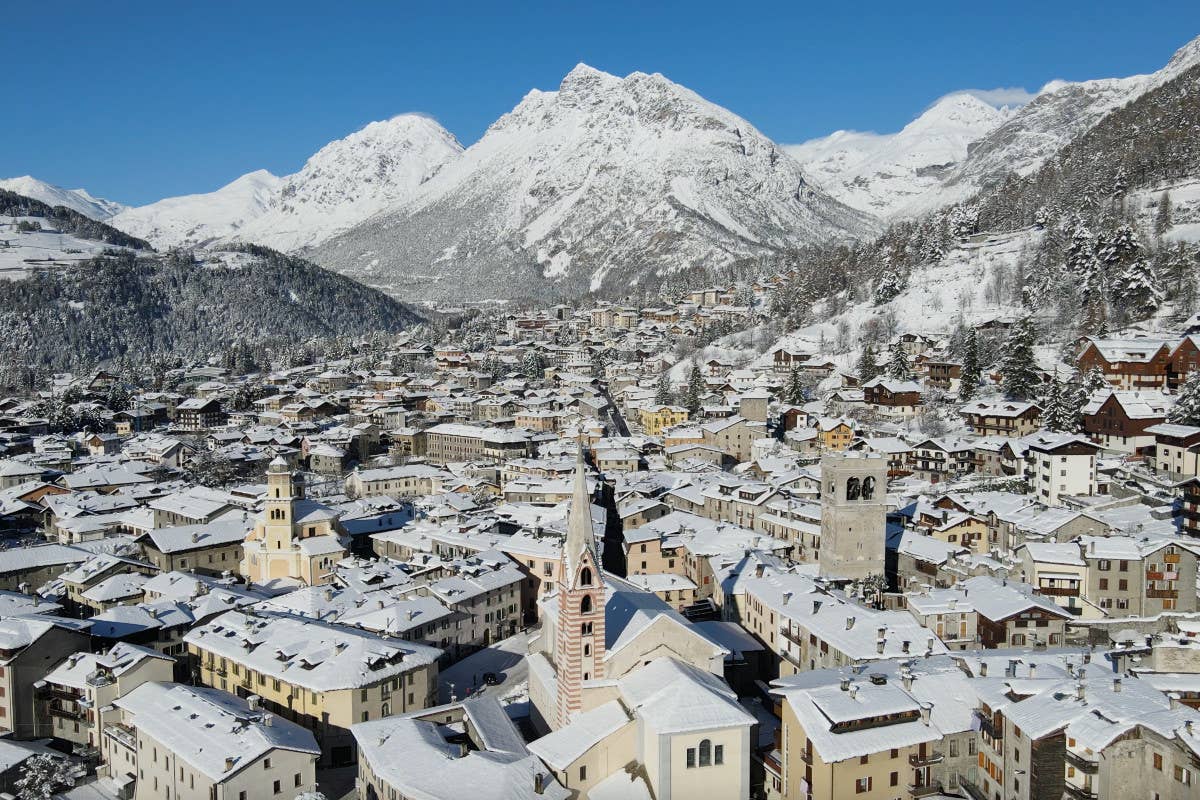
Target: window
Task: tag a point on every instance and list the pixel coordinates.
(1158, 761)
(1183, 776)
(1104, 584)
(585, 577)
(705, 753)
(719, 755)
(1123, 585)
(266, 763)
(894, 754)
(585, 605)
(863, 759)
(277, 787)
(862, 785)
(895, 781)
(691, 760)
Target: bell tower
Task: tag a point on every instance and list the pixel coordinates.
(579, 638)
(283, 490)
(853, 515)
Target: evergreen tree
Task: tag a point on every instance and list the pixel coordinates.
(533, 365)
(1186, 410)
(1094, 381)
(695, 391)
(897, 366)
(663, 394)
(1017, 367)
(1141, 291)
(868, 362)
(971, 368)
(1163, 217)
(794, 392)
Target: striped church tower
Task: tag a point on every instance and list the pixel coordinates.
(579, 640)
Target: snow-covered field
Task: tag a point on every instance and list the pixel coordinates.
(22, 253)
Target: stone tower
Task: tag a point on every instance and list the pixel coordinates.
(853, 515)
(283, 490)
(579, 637)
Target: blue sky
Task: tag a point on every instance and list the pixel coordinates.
(137, 100)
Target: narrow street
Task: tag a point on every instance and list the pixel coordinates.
(505, 658)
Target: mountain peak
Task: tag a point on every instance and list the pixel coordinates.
(75, 199)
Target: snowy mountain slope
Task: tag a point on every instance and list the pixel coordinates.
(961, 144)
(599, 185)
(76, 199)
(352, 179)
(881, 173)
(345, 182)
(196, 219)
(1038, 130)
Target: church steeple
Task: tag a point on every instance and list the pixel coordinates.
(581, 541)
(579, 639)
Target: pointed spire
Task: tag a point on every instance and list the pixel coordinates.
(580, 537)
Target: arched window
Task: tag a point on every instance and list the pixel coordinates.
(868, 488)
(585, 576)
(705, 753)
(585, 605)
(853, 488)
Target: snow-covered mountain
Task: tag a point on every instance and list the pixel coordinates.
(344, 183)
(962, 144)
(201, 218)
(594, 186)
(881, 173)
(352, 179)
(75, 199)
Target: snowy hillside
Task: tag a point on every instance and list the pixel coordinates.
(881, 173)
(200, 218)
(76, 199)
(1040, 129)
(45, 247)
(344, 183)
(600, 185)
(962, 144)
(352, 179)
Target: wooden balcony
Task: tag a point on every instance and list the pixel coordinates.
(1168, 594)
(930, 757)
(1059, 591)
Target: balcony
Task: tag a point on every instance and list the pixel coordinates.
(924, 790)
(56, 711)
(930, 757)
(1082, 764)
(1171, 558)
(1059, 591)
(973, 791)
(1080, 792)
(1171, 594)
(60, 694)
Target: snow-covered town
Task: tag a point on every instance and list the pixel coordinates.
(600, 445)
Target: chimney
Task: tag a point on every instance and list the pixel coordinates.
(904, 646)
(845, 685)
(816, 606)
(1092, 547)
(254, 702)
(1080, 691)
(983, 669)
(786, 596)
(849, 623)
(953, 602)
(881, 632)
(925, 709)
(1033, 670)
(229, 762)
(328, 593)
(268, 720)
(906, 678)
(195, 537)
(539, 783)
(1176, 701)
(1012, 668)
(1117, 685)
(879, 645)
(853, 691)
